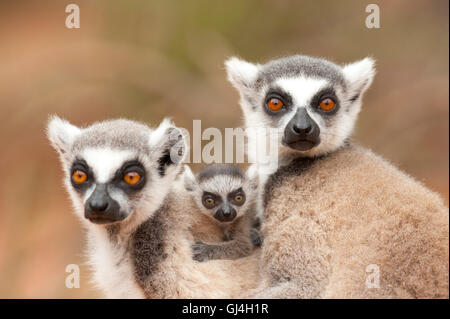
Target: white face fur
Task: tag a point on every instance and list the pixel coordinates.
(117, 171)
(305, 125)
(222, 191)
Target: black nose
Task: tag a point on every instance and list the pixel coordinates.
(302, 124)
(228, 211)
(98, 205)
(302, 129)
(100, 208)
(302, 132)
(225, 214)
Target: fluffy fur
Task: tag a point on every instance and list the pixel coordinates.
(176, 274)
(328, 219)
(148, 253)
(335, 209)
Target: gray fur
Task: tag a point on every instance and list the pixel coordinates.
(118, 134)
(300, 65)
(214, 170)
(148, 245)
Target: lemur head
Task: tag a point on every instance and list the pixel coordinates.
(118, 170)
(312, 103)
(222, 191)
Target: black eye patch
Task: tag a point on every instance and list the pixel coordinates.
(321, 95)
(234, 195)
(81, 165)
(277, 93)
(134, 167)
(207, 197)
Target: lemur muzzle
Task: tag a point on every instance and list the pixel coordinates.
(302, 132)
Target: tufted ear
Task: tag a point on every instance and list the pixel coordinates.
(61, 134)
(167, 146)
(252, 176)
(359, 75)
(189, 180)
(240, 73)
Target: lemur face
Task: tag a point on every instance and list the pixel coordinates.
(221, 191)
(115, 168)
(312, 103)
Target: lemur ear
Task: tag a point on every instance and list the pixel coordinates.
(61, 134)
(359, 76)
(168, 145)
(252, 176)
(189, 179)
(240, 73)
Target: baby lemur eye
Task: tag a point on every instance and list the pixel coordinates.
(209, 202)
(274, 104)
(132, 178)
(327, 104)
(237, 197)
(79, 177)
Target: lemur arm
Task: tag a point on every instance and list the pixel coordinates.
(239, 246)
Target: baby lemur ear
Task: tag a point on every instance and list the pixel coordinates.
(189, 180)
(359, 75)
(61, 134)
(167, 146)
(241, 74)
(252, 176)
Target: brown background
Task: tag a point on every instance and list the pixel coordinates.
(146, 59)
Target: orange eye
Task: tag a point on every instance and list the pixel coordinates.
(239, 198)
(79, 177)
(209, 201)
(327, 104)
(275, 104)
(132, 178)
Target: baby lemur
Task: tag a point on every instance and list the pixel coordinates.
(224, 197)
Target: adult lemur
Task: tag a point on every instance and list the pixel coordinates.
(337, 216)
(225, 198)
(121, 177)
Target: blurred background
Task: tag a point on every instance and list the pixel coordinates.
(148, 59)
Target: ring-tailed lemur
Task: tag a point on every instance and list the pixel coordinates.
(336, 215)
(121, 177)
(224, 197)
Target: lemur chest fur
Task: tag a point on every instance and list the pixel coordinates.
(126, 263)
(113, 267)
(305, 182)
(148, 247)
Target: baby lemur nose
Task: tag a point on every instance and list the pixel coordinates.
(225, 214)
